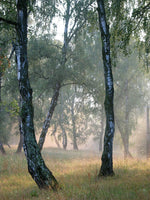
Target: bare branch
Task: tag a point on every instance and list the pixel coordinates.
(8, 21)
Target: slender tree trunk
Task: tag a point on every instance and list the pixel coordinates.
(102, 131)
(75, 146)
(53, 134)
(1, 145)
(36, 166)
(49, 116)
(61, 123)
(126, 134)
(107, 156)
(58, 85)
(20, 145)
(64, 136)
(148, 134)
(125, 141)
(2, 149)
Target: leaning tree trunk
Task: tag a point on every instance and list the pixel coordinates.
(36, 166)
(107, 156)
(58, 85)
(49, 116)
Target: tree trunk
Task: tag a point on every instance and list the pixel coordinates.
(148, 134)
(58, 85)
(2, 149)
(36, 166)
(75, 146)
(1, 145)
(53, 134)
(107, 156)
(126, 133)
(61, 123)
(49, 116)
(125, 141)
(102, 131)
(20, 145)
(64, 136)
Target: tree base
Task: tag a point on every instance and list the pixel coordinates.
(106, 174)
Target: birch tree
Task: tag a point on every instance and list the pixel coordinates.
(107, 156)
(36, 165)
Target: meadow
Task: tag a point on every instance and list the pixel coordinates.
(76, 172)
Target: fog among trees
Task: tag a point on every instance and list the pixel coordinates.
(74, 75)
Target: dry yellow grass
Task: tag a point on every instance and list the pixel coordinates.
(77, 174)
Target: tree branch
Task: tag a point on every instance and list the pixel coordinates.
(8, 21)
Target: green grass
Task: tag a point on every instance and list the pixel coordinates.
(76, 172)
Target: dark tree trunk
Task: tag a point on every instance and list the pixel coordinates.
(36, 166)
(148, 134)
(107, 156)
(2, 149)
(75, 146)
(49, 116)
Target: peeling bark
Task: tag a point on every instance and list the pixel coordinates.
(36, 165)
(107, 156)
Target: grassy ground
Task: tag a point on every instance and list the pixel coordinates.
(76, 172)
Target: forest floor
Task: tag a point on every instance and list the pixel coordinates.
(76, 172)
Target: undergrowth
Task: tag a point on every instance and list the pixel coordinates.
(76, 172)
